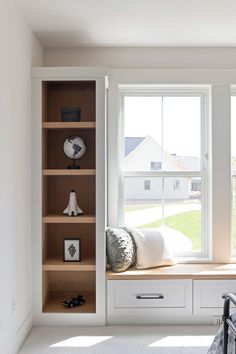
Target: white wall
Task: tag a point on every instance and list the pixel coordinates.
(143, 57)
(134, 189)
(19, 49)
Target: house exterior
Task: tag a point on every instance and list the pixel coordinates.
(145, 154)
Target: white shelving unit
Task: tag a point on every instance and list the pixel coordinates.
(54, 279)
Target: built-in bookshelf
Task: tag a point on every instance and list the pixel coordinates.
(54, 279)
(62, 279)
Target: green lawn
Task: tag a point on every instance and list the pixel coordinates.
(188, 223)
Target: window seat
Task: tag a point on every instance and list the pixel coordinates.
(178, 271)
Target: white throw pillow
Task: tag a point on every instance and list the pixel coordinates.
(176, 241)
(152, 250)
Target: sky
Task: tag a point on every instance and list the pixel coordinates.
(181, 122)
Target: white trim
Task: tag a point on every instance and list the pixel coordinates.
(233, 174)
(20, 336)
(171, 77)
(71, 73)
(221, 174)
(101, 212)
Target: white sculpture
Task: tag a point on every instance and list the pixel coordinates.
(73, 208)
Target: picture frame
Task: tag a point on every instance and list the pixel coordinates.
(71, 250)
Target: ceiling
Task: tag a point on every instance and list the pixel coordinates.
(132, 23)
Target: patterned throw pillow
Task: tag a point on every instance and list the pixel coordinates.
(121, 249)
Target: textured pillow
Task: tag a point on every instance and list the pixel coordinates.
(121, 249)
(152, 250)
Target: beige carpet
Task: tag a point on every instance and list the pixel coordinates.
(120, 339)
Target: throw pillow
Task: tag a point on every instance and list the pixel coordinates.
(176, 241)
(152, 250)
(121, 249)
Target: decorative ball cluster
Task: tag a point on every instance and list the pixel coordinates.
(74, 301)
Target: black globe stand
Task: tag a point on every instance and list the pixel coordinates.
(73, 167)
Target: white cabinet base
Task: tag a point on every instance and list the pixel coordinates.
(172, 301)
(208, 295)
(148, 301)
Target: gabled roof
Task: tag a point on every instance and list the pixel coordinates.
(131, 143)
(190, 163)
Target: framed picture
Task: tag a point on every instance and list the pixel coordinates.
(71, 250)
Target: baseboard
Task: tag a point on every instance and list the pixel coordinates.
(21, 334)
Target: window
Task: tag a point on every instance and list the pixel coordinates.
(165, 140)
(176, 185)
(147, 185)
(155, 165)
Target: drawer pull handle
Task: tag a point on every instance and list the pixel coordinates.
(150, 297)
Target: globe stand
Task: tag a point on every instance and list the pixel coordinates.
(73, 167)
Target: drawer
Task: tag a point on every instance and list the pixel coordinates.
(159, 296)
(208, 295)
(153, 294)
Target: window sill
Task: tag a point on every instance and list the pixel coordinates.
(178, 271)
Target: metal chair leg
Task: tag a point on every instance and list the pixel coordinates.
(226, 326)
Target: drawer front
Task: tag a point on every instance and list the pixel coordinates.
(208, 295)
(156, 296)
(151, 295)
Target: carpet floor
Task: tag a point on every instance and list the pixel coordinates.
(119, 340)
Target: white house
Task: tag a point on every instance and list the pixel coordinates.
(145, 154)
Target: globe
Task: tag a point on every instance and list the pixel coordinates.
(74, 147)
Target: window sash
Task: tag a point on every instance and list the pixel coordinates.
(204, 148)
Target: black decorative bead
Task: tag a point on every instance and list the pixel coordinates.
(74, 301)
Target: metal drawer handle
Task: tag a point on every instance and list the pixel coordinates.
(150, 297)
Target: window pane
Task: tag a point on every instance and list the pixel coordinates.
(142, 133)
(174, 202)
(162, 133)
(182, 212)
(181, 133)
(142, 205)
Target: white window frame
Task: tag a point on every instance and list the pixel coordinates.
(204, 173)
(219, 83)
(233, 174)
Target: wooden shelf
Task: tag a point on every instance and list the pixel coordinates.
(178, 271)
(54, 264)
(54, 302)
(69, 125)
(63, 219)
(68, 172)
